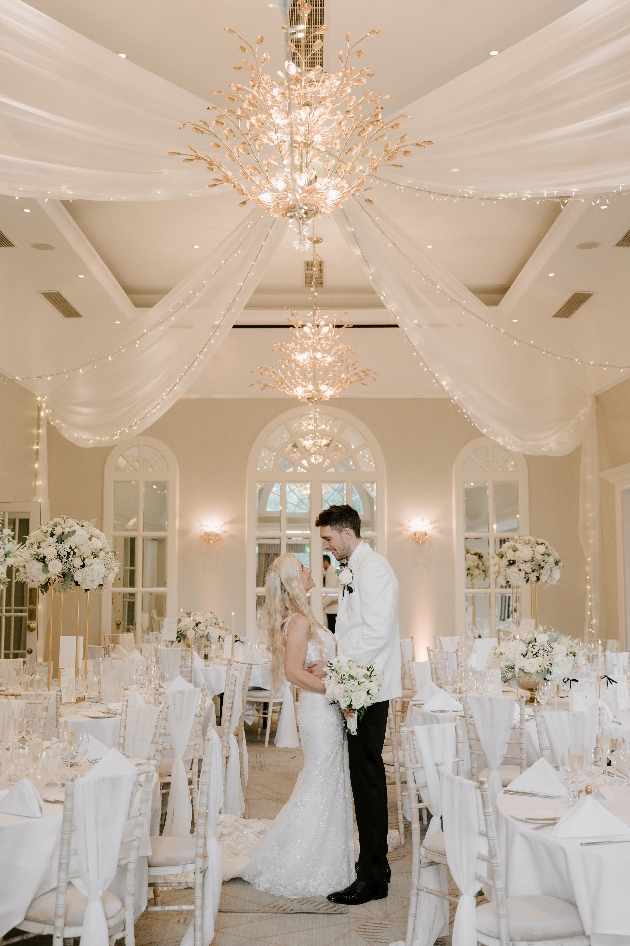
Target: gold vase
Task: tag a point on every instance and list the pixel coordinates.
(528, 681)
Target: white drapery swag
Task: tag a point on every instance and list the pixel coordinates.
(514, 394)
(462, 841)
(567, 729)
(234, 800)
(212, 876)
(181, 706)
(493, 716)
(100, 812)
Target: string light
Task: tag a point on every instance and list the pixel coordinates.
(495, 198)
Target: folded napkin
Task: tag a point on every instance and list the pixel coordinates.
(96, 750)
(179, 684)
(442, 701)
(428, 691)
(113, 763)
(589, 819)
(23, 799)
(119, 653)
(197, 660)
(136, 655)
(541, 777)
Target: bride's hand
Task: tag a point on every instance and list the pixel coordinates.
(319, 668)
(348, 714)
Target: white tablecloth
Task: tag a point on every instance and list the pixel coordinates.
(213, 675)
(105, 730)
(595, 879)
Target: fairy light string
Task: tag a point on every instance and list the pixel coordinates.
(562, 199)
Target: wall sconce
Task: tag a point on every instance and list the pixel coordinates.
(211, 531)
(420, 530)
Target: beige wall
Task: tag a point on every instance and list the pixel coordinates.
(420, 440)
(18, 430)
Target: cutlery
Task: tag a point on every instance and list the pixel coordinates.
(549, 824)
(513, 791)
(53, 801)
(617, 841)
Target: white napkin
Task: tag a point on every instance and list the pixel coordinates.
(96, 750)
(197, 660)
(135, 698)
(589, 819)
(114, 763)
(442, 701)
(540, 777)
(136, 655)
(179, 684)
(119, 653)
(23, 800)
(428, 691)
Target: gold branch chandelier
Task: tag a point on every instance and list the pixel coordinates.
(301, 146)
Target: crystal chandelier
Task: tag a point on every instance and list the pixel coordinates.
(301, 146)
(316, 435)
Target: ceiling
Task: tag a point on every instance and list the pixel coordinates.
(113, 260)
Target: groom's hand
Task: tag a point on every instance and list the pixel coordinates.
(319, 668)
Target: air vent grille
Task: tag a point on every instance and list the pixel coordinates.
(625, 240)
(4, 240)
(572, 304)
(61, 304)
(313, 57)
(314, 273)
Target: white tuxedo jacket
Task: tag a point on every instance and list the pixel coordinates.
(367, 619)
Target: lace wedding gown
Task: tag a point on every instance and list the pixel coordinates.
(309, 849)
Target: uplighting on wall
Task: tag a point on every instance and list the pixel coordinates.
(212, 531)
(420, 530)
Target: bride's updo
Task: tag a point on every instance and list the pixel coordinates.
(284, 595)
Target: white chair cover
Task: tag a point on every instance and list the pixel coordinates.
(407, 648)
(448, 643)
(566, 729)
(170, 661)
(286, 733)
(421, 671)
(493, 718)
(141, 721)
(100, 813)
(461, 839)
(182, 706)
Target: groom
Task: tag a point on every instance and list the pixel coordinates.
(367, 631)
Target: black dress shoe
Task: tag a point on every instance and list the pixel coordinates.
(360, 892)
(388, 871)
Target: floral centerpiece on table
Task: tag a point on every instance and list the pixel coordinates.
(353, 687)
(201, 626)
(476, 565)
(524, 560)
(8, 554)
(67, 552)
(543, 654)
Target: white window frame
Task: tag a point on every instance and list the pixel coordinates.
(172, 477)
(459, 478)
(34, 639)
(316, 478)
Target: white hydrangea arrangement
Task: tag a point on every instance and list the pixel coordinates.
(353, 687)
(476, 565)
(8, 554)
(67, 552)
(201, 626)
(525, 560)
(543, 654)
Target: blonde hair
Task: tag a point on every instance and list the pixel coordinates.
(284, 596)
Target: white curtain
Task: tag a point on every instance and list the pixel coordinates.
(514, 394)
(461, 837)
(493, 719)
(182, 706)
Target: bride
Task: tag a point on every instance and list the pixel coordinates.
(309, 849)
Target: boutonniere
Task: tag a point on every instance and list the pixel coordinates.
(345, 580)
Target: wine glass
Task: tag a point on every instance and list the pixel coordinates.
(593, 764)
(543, 692)
(19, 761)
(81, 748)
(575, 758)
(603, 741)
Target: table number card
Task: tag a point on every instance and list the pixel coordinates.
(228, 642)
(169, 630)
(583, 695)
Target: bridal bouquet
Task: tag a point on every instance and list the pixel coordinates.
(66, 552)
(352, 686)
(8, 554)
(524, 560)
(201, 626)
(476, 565)
(543, 654)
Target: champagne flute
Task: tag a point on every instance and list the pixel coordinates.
(603, 741)
(543, 692)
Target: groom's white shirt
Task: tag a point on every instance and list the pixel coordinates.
(367, 620)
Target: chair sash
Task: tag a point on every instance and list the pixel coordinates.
(182, 706)
(234, 800)
(566, 729)
(421, 671)
(170, 662)
(461, 839)
(141, 721)
(493, 718)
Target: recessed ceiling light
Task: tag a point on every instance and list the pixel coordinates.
(196, 246)
(454, 170)
(42, 246)
(494, 52)
(26, 210)
(429, 246)
(515, 320)
(552, 274)
(123, 55)
(81, 276)
(604, 207)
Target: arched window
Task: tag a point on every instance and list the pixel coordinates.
(491, 506)
(140, 519)
(303, 462)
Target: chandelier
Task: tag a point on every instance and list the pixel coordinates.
(316, 435)
(301, 146)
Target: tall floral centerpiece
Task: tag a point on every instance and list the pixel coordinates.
(476, 570)
(201, 626)
(525, 560)
(67, 553)
(8, 555)
(526, 659)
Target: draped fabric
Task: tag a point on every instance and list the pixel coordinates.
(170, 661)
(141, 721)
(234, 800)
(182, 706)
(493, 720)
(567, 729)
(461, 838)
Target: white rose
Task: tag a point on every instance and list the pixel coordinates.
(345, 576)
(542, 638)
(96, 543)
(55, 567)
(35, 572)
(49, 551)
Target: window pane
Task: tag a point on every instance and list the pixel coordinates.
(298, 507)
(478, 614)
(302, 549)
(155, 505)
(504, 604)
(123, 613)
(476, 507)
(364, 501)
(154, 563)
(477, 565)
(153, 607)
(346, 465)
(352, 436)
(506, 507)
(125, 506)
(366, 460)
(260, 603)
(266, 552)
(265, 459)
(333, 494)
(125, 549)
(279, 437)
(268, 506)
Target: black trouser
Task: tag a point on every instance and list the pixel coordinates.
(331, 620)
(369, 788)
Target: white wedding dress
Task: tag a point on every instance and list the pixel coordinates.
(309, 849)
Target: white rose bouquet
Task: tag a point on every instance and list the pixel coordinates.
(201, 626)
(543, 654)
(8, 554)
(476, 565)
(353, 687)
(67, 552)
(525, 560)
